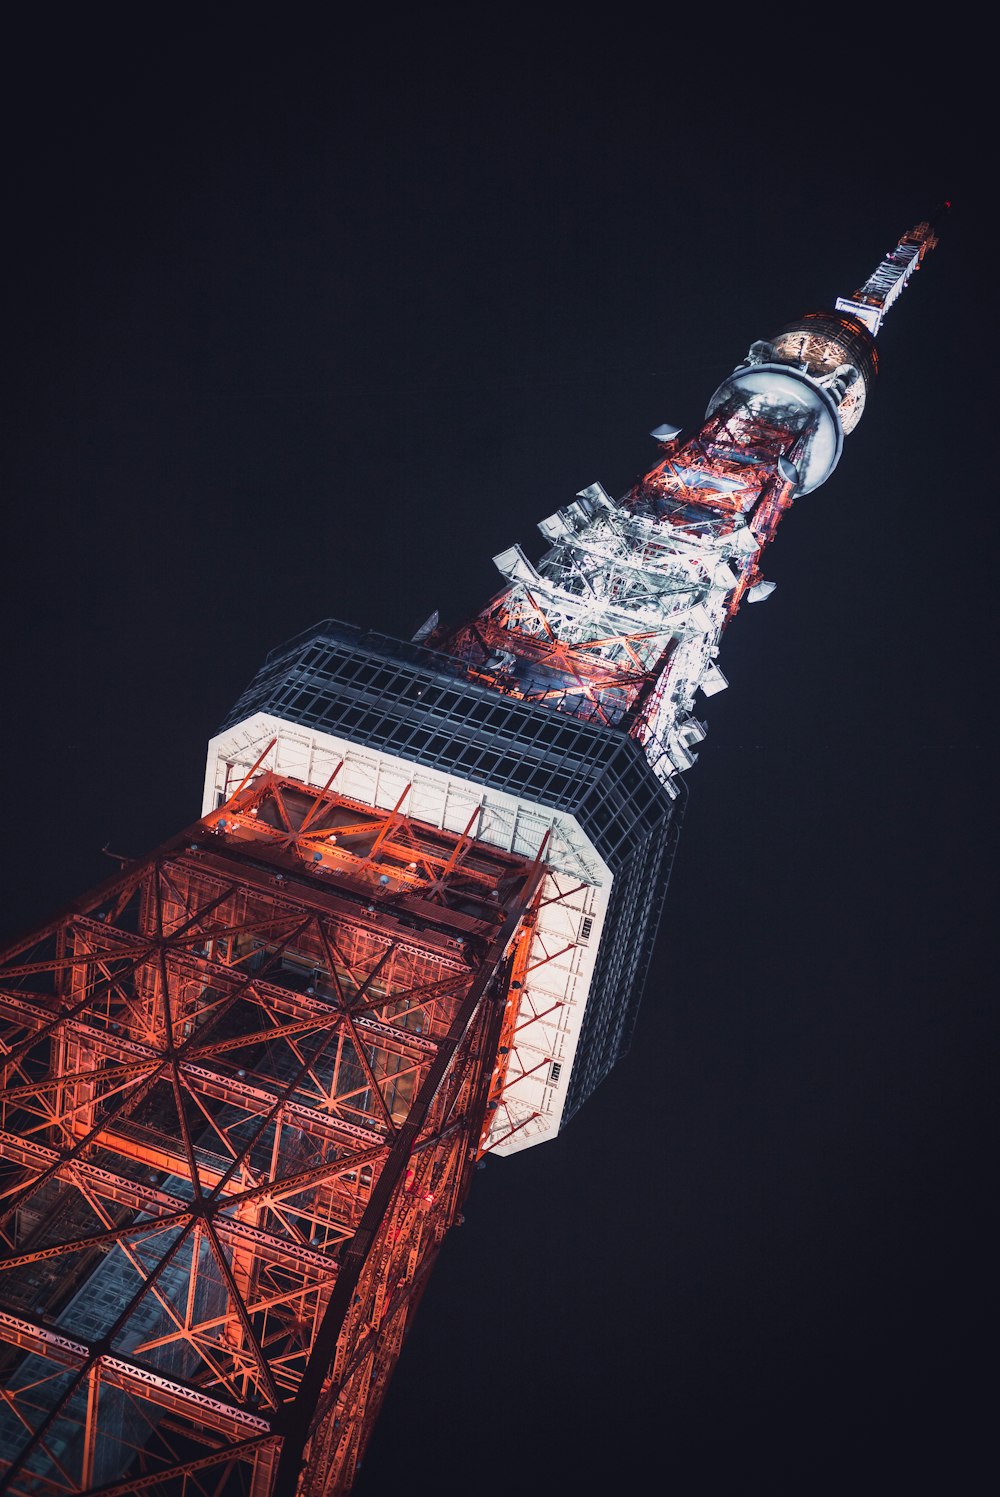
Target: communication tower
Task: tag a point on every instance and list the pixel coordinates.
(246, 1080)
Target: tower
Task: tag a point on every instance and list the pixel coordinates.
(247, 1080)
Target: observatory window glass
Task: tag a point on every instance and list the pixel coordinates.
(599, 816)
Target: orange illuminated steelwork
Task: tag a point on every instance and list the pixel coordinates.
(246, 1082)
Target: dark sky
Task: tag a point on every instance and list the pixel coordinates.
(304, 323)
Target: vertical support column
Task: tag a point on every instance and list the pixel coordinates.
(90, 1427)
(262, 1475)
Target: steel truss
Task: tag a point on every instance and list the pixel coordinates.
(872, 300)
(620, 621)
(246, 1081)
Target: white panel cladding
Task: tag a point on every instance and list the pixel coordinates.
(571, 918)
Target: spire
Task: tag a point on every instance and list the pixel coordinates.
(871, 301)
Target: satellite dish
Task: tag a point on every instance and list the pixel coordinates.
(427, 627)
(788, 471)
(760, 591)
(665, 433)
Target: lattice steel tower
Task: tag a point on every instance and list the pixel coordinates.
(247, 1080)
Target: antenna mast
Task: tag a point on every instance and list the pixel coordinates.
(872, 300)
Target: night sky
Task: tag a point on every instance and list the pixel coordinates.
(305, 324)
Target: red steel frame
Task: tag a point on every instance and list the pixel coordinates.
(246, 1083)
(611, 690)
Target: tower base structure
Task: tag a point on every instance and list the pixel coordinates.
(246, 1082)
